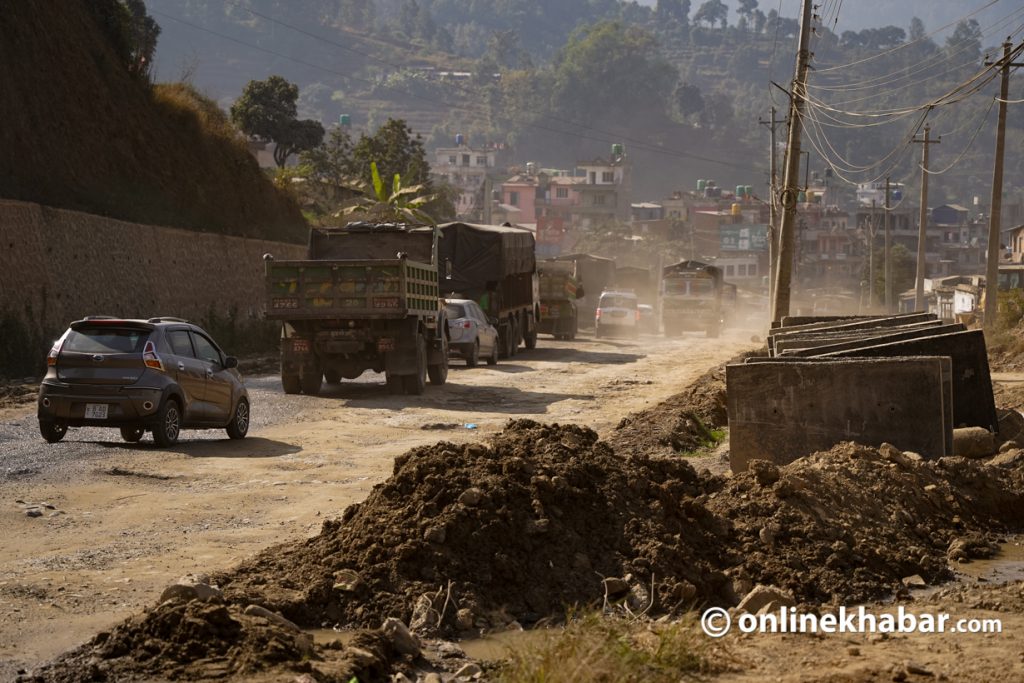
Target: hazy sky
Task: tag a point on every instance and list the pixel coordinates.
(855, 15)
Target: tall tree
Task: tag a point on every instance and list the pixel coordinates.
(712, 12)
(965, 41)
(266, 111)
(673, 10)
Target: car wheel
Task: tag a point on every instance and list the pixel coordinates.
(239, 425)
(168, 424)
(493, 358)
(132, 434)
(473, 357)
(290, 383)
(416, 383)
(52, 431)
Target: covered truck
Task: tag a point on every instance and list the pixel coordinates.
(559, 290)
(365, 299)
(692, 298)
(596, 273)
(496, 266)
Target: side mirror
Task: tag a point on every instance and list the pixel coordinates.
(230, 362)
(492, 320)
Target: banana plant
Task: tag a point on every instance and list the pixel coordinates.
(399, 204)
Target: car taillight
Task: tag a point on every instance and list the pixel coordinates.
(598, 314)
(150, 357)
(638, 316)
(467, 324)
(51, 357)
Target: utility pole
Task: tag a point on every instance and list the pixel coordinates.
(888, 254)
(996, 207)
(773, 225)
(919, 304)
(872, 231)
(788, 196)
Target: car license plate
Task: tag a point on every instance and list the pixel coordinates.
(96, 411)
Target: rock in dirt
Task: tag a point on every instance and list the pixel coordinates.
(914, 581)
(469, 671)
(258, 611)
(190, 587)
(973, 442)
(401, 637)
(765, 596)
(1010, 458)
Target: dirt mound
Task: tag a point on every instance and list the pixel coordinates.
(478, 535)
(475, 534)
(682, 423)
(204, 641)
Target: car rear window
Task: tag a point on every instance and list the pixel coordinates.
(105, 340)
(456, 310)
(617, 302)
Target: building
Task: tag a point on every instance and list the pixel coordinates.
(605, 193)
(465, 168)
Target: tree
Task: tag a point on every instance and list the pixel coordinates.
(746, 10)
(397, 204)
(689, 100)
(712, 12)
(673, 10)
(143, 32)
(266, 111)
(965, 42)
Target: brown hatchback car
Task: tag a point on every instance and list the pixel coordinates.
(160, 375)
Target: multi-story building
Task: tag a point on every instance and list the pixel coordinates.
(467, 169)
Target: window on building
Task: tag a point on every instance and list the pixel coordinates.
(607, 176)
(513, 198)
(465, 160)
(598, 200)
(481, 160)
(741, 270)
(562, 192)
(729, 271)
(752, 270)
(452, 159)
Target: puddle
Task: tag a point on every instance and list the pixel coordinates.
(497, 646)
(1007, 565)
(326, 635)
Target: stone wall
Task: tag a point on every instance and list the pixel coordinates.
(58, 265)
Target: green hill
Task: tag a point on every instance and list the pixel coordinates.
(80, 132)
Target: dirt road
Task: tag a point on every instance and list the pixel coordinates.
(123, 520)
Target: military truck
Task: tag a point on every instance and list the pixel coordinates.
(692, 298)
(365, 299)
(559, 290)
(496, 266)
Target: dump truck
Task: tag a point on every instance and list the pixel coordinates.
(496, 266)
(366, 298)
(693, 298)
(595, 273)
(559, 290)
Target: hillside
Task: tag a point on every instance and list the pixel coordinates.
(81, 133)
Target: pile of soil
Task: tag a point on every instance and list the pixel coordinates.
(476, 536)
(683, 423)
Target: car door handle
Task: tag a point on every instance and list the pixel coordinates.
(181, 366)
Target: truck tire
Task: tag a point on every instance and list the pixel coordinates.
(332, 376)
(290, 383)
(395, 384)
(473, 355)
(515, 337)
(311, 379)
(416, 383)
(531, 338)
(438, 372)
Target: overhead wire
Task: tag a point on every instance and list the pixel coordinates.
(970, 143)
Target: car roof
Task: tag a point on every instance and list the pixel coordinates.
(615, 292)
(459, 301)
(147, 324)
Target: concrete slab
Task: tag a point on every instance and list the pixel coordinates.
(841, 327)
(816, 347)
(782, 410)
(973, 401)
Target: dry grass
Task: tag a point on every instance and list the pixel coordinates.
(595, 648)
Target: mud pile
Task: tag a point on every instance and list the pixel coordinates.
(476, 536)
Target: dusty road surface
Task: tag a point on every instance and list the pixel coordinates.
(119, 521)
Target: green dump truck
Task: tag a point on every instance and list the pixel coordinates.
(365, 299)
(693, 297)
(559, 290)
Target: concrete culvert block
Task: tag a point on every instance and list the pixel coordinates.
(190, 587)
(762, 595)
(973, 442)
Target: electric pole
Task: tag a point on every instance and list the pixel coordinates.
(919, 304)
(773, 225)
(788, 196)
(888, 254)
(872, 231)
(996, 208)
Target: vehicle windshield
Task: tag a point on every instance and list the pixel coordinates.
(612, 301)
(688, 287)
(105, 340)
(455, 311)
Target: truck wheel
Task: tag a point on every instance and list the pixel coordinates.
(531, 339)
(311, 380)
(290, 383)
(416, 383)
(438, 372)
(395, 384)
(473, 356)
(515, 337)
(332, 376)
